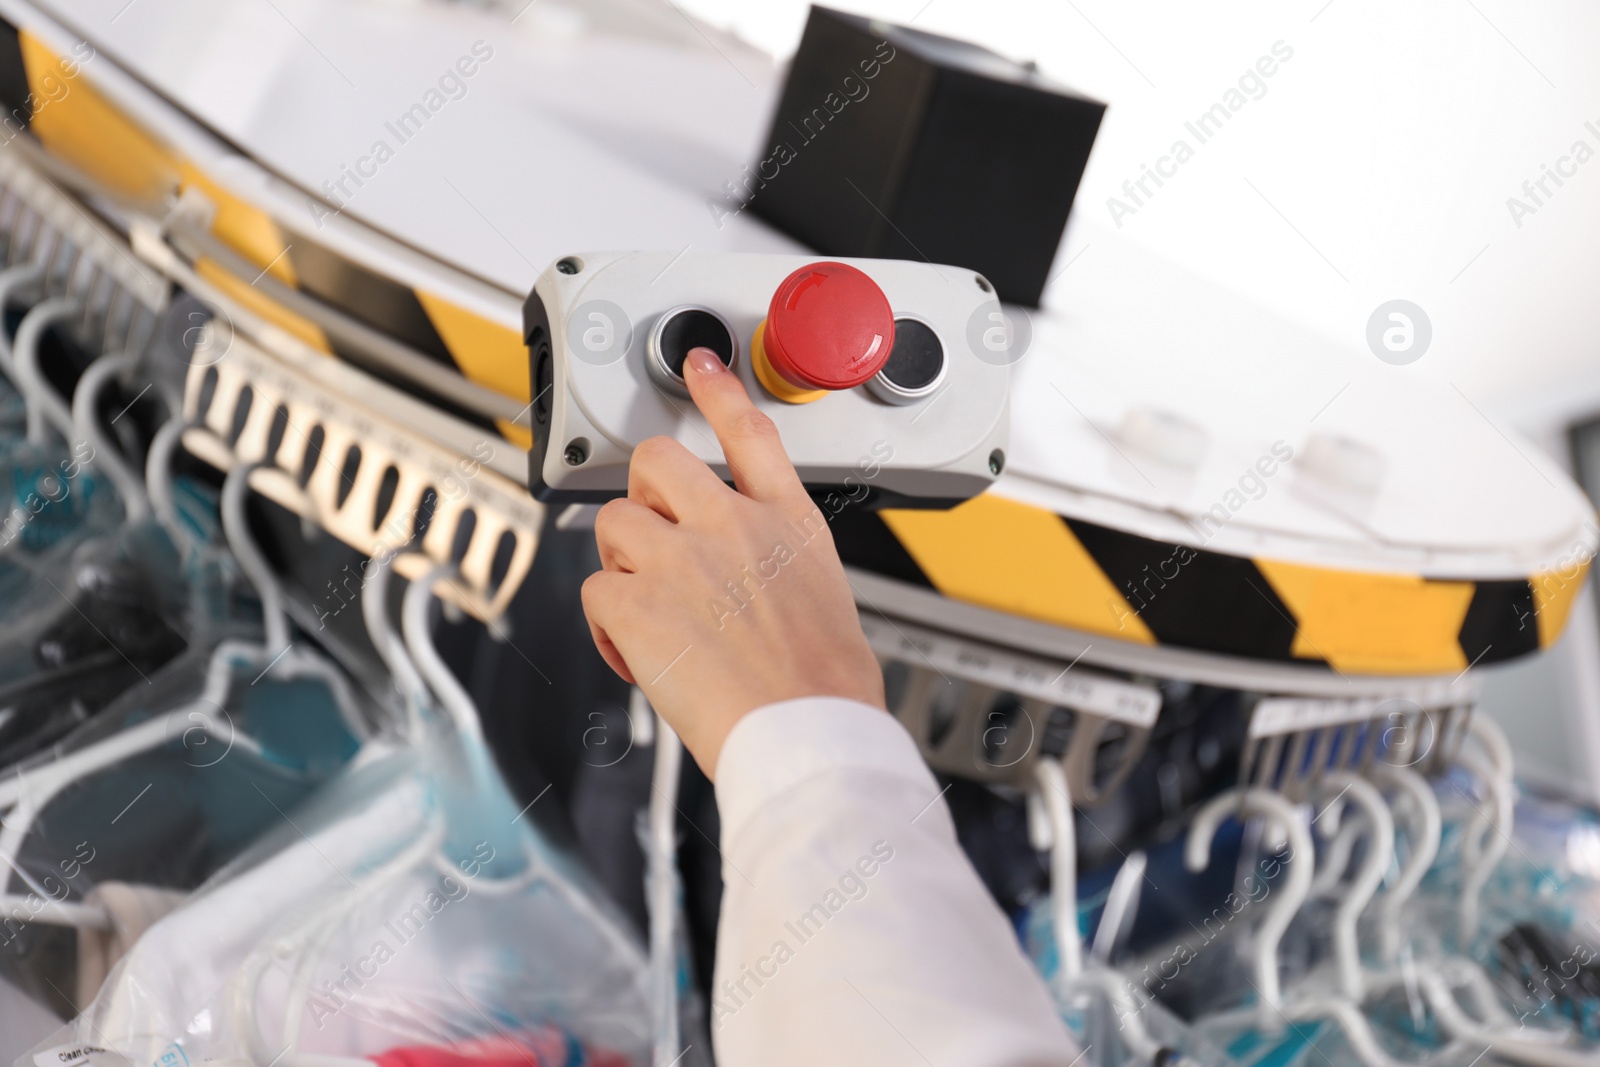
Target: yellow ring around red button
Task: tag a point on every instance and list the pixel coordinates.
(770, 378)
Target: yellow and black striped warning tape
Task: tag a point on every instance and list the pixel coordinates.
(1023, 560)
(47, 95)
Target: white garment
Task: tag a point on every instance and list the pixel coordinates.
(178, 971)
(396, 944)
(133, 910)
(853, 929)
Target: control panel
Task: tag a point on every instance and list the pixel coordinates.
(888, 380)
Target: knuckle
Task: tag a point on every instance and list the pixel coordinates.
(598, 592)
(610, 607)
(609, 514)
(753, 424)
(652, 450)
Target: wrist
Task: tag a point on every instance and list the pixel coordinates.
(708, 734)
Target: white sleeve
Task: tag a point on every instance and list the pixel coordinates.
(853, 928)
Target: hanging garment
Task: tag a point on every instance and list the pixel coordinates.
(169, 783)
(405, 904)
(133, 909)
(373, 927)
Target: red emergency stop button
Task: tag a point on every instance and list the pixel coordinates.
(828, 327)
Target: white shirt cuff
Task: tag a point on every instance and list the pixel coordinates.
(780, 746)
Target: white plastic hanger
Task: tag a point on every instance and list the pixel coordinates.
(1334, 863)
(45, 408)
(1122, 903)
(391, 649)
(86, 427)
(1273, 1012)
(1354, 980)
(1059, 835)
(1501, 1031)
(12, 279)
(1439, 978)
(662, 887)
(1283, 827)
(464, 717)
(1379, 826)
(1487, 834)
(447, 690)
(1423, 838)
(1052, 828)
(236, 528)
(1375, 821)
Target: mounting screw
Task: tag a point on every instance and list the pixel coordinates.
(997, 461)
(569, 265)
(577, 452)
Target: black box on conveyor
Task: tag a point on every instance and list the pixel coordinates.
(894, 143)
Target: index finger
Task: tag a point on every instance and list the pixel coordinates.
(760, 467)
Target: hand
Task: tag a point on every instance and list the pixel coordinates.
(718, 601)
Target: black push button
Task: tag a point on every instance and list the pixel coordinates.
(915, 367)
(676, 333)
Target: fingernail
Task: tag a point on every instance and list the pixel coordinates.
(705, 361)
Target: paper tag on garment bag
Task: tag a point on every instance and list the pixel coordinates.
(78, 1054)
